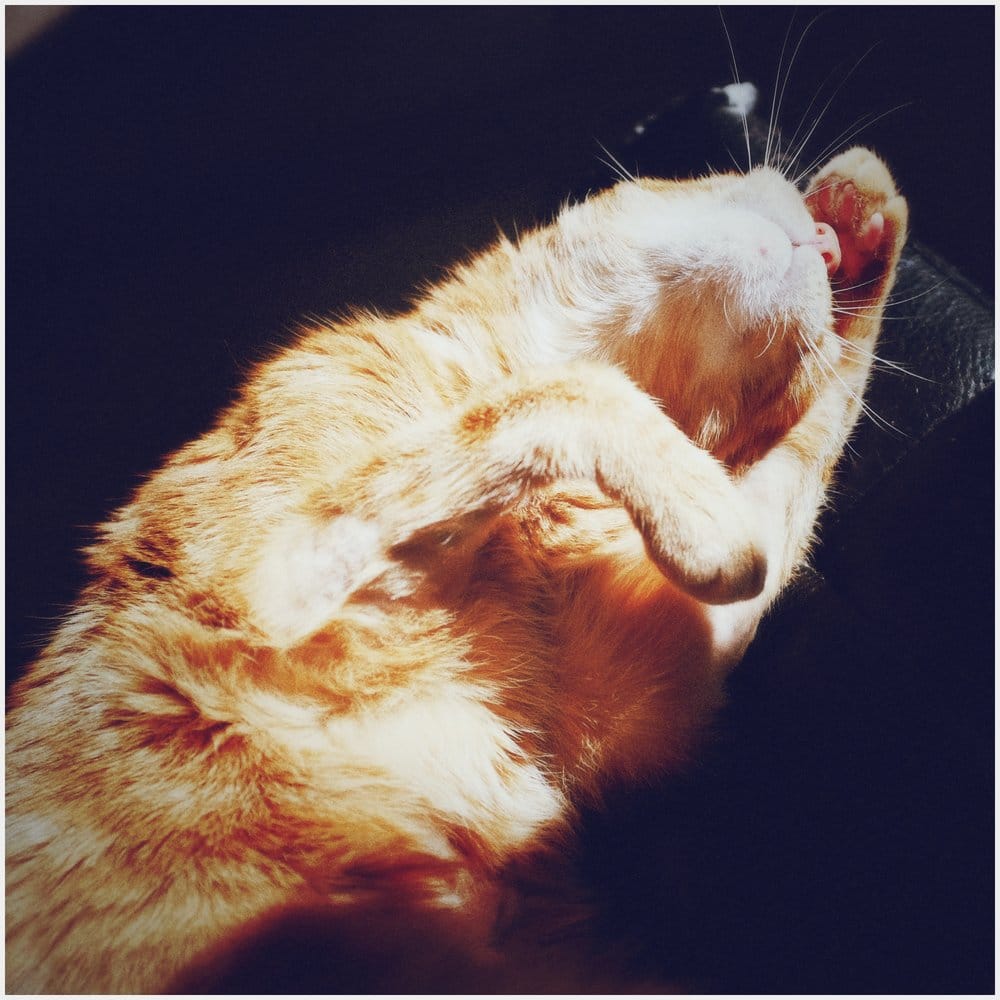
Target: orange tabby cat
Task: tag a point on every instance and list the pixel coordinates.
(436, 580)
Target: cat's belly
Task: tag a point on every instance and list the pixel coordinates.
(573, 627)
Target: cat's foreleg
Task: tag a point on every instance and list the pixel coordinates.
(787, 488)
(438, 477)
(856, 195)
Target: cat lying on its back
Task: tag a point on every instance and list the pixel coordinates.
(436, 580)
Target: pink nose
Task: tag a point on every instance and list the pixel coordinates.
(828, 245)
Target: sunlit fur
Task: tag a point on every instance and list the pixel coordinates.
(435, 580)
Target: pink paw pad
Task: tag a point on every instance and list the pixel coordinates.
(846, 239)
(848, 207)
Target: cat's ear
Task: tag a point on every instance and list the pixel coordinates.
(307, 568)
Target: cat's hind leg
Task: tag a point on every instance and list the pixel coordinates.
(440, 476)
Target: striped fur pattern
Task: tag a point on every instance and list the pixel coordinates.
(436, 580)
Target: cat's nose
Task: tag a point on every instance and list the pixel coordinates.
(828, 245)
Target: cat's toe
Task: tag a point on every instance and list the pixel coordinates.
(856, 195)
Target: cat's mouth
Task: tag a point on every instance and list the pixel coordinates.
(827, 244)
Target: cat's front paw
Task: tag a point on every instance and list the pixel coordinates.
(704, 537)
(726, 570)
(855, 195)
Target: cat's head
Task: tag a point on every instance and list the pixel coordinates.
(737, 329)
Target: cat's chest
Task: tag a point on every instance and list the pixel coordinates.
(514, 586)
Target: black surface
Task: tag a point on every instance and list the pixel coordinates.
(184, 184)
(838, 836)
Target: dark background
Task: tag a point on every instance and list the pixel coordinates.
(185, 184)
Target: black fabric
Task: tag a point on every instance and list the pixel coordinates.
(939, 330)
(837, 836)
(184, 184)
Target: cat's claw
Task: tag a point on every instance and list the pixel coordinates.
(871, 235)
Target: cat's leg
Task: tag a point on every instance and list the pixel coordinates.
(435, 478)
(854, 194)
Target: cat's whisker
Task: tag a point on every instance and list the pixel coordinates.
(618, 175)
(826, 364)
(823, 187)
(736, 79)
(890, 300)
(868, 315)
(733, 158)
(849, 446)
(725, 313)
(893, 301)
(770, 341)
(809, 348)
(810, 378)
(826, 107)
(616, 170)
(851, 132)
(840, 289)
(778, 89)
(856, 127)
(861, 309)
(795, 146)
(856, 397)
(877, 419)
(617, 165)
(885, 364)
(776, 105)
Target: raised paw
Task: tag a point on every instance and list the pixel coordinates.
(855, 196)
(702, 536)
